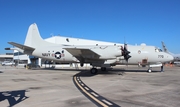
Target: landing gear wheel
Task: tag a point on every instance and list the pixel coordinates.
(94, 71)
(103, 68)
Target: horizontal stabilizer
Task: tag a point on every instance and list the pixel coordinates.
(23, 47)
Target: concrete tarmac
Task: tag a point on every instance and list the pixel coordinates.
(125, 86)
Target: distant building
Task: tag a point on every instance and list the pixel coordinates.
(77, 41)
(6, 57)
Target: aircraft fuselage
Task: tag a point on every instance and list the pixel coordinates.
(140, 55)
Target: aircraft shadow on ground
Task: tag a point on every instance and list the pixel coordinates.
(58, 69)
(115, 71)
(86, 72)
(1, 72)
(133, 70)
(13, 97)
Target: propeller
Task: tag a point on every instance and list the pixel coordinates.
(125, 53)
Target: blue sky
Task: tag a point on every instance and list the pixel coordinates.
(138, 21)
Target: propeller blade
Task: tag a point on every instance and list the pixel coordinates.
(127, 57)
(126, 52)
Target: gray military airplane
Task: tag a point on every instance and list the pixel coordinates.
(98, 56)
(176, 56)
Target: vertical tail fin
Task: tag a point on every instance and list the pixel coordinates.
(33, 38)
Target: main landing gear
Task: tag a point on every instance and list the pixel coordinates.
(95, 70)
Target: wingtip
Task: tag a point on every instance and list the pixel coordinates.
(10, 43)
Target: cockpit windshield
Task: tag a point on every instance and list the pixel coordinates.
(158, 50)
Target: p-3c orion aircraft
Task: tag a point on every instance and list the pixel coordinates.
(98, 56)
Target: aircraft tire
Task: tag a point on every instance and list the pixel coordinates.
(149, 70)
(94, 71)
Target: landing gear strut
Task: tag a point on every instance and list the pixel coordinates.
(82, 64)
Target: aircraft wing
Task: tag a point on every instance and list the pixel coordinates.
(23, 47)
(83, 53)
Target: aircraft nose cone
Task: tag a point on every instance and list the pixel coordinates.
(170, 57)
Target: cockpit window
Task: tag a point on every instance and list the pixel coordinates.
(158, 50)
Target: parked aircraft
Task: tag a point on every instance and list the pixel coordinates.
(176, 56)
(98, 56)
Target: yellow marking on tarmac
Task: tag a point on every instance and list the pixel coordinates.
(95, 99)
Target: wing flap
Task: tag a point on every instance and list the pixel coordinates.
(84, 53)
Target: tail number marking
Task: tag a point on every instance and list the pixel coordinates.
(160, 56)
